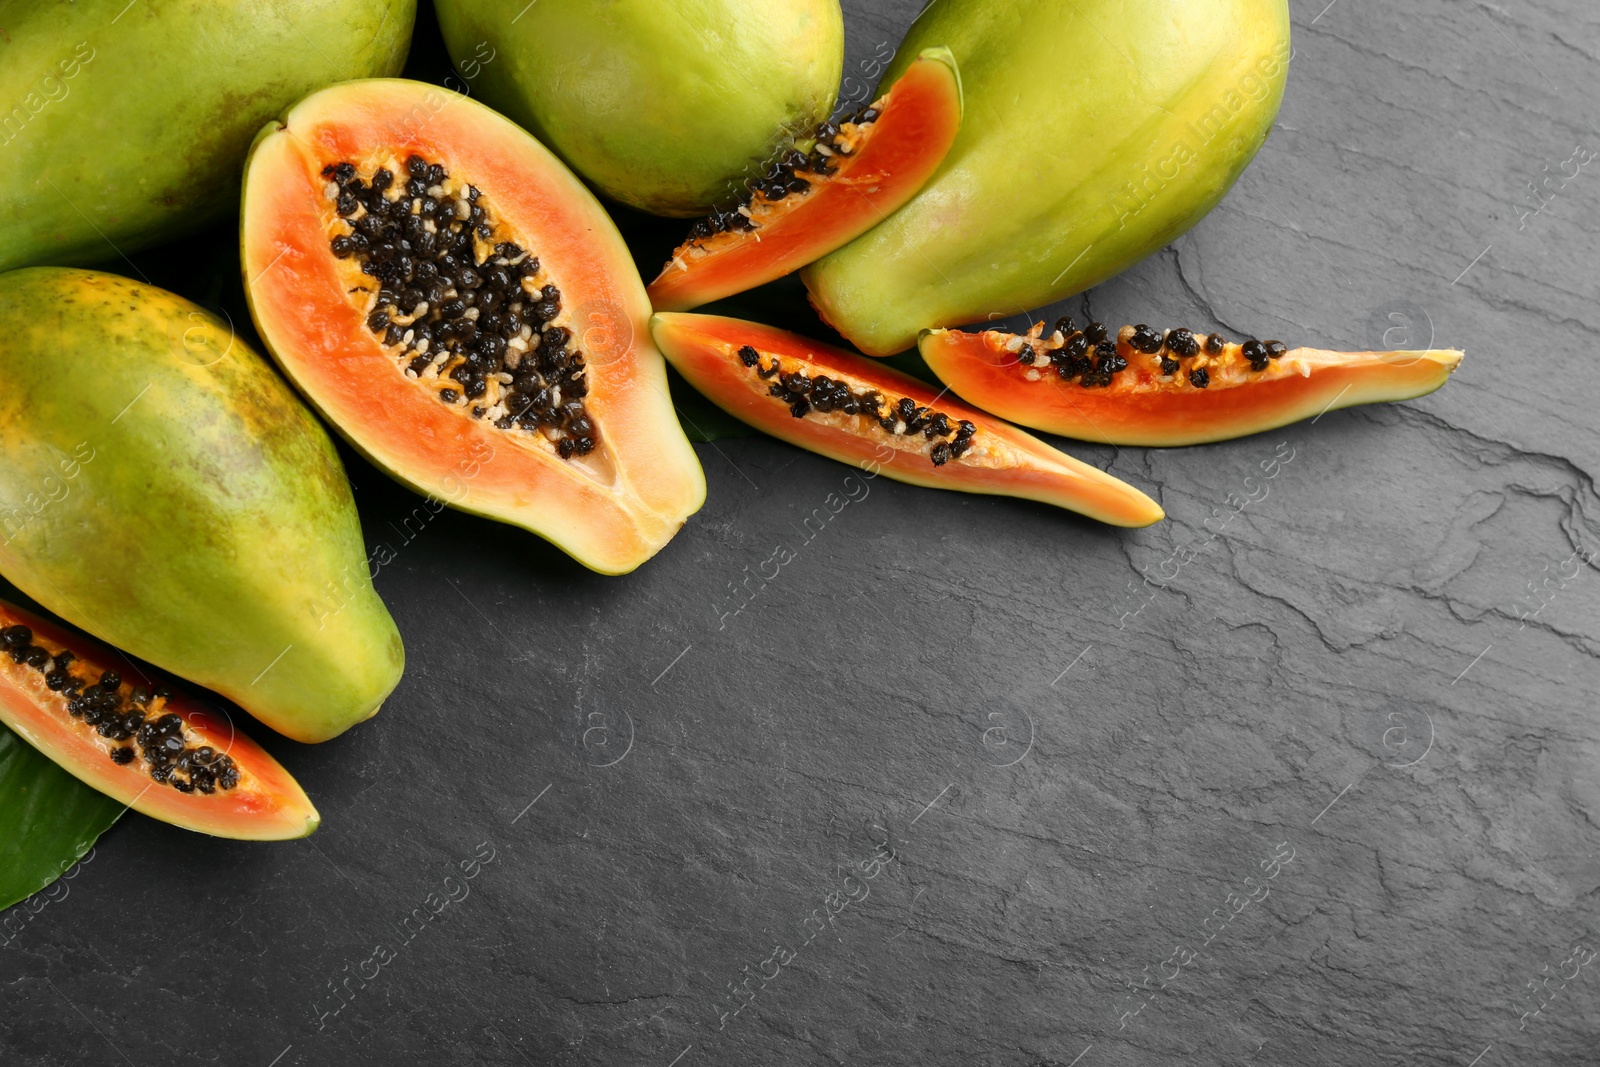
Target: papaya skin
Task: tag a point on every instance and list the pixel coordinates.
(162, 488)
(118, 131)
(666, 107)
(1071, 165)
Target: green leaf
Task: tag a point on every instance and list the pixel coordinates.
(48, 819)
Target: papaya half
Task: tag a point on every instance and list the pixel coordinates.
(1096, 132)
(461, 308)
(162, 488)
(666, 107)
(140, 742)
(857, 172)
(125, 125)
(1166, 388)
(856, 411)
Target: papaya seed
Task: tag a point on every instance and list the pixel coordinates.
(1182, 343)
(1145, 340)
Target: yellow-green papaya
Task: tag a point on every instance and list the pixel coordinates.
(162, 488)
(1095, 132)
(666, 107)
(126, 124)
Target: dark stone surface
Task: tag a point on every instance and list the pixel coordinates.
(1068, 776)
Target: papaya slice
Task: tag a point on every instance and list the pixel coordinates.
(160, 752)
(1166, 388)
(856, 174)
(462, 309)
(858, 411)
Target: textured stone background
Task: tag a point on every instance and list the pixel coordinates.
(1069, 775)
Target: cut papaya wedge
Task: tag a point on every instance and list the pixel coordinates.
(857, 173)
(860, 412)
(157, 751)
(1166, 388)
(462, 309)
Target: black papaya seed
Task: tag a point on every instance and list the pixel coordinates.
(1182, 343)
(1145, 339)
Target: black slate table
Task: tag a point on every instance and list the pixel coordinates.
(1307, 781)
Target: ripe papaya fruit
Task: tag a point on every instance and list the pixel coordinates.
(123, 126)
(1165, 388)
(1097, 131)
(666, 107)
(857, 172)
(162, 488)
(461, 308)
(860, 412)
(137, 740)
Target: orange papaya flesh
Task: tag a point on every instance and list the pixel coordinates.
(462, 309)
(1166, 388)
(160, 752)
(857, 173)
(858, 411)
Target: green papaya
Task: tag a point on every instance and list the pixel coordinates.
(162, 488)
(126, 124)
(666, 107)
(1096, 132)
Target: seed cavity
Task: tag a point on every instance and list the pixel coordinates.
(470, 315)
(126, 713)
(1093, 359)
(896, 416)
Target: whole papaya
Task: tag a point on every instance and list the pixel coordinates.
(162, 488)
(1096, 132)
(126, 124)
(666, 107)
